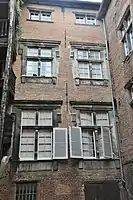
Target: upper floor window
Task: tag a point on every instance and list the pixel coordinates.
(90, 64)
(39, 62)
(26, 191)
(85, 19)
(40, 15)
(127, 33)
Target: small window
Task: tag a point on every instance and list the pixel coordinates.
(45, 16)
(127, 34)
(45, 118)
(34, 15)
(82, 54)
(94, 55)
(26, 191)
(84, 71)
(96, 71)
(85, 19)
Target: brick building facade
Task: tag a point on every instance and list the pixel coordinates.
(65, 144)
(118, 16)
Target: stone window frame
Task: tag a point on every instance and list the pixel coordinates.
(125, 28)
(129, 88)
(85, 16)
(95, 107)
(104, 81)
(54, 46)
(40, 11)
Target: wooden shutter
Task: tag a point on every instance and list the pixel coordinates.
(28, 118)
(107, 143)
(44, 145)
(27, 144)
(75, 142)
(60, 143)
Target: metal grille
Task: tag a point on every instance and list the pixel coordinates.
(26, 191)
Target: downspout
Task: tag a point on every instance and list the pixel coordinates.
(114, 112)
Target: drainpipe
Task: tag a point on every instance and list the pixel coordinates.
(114, 113)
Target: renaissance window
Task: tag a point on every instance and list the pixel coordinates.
(85, 19)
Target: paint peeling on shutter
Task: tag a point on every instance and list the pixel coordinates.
(75, 142)
(107, 143)
(60, 143)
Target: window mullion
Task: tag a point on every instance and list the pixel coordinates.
(90, 70)
(36, 145)
(39, 67)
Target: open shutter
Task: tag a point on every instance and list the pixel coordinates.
(107, 143)
(44, 145)
(60, 143)
(75, 142)
(27, 145)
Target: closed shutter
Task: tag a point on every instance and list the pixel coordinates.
(107, 143)
(44, 145)
(45, 118)
(27, 145)
(75, 142)
(28, 118)
(55, 64)
(60, 143)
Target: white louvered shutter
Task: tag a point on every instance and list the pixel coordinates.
(75, 142)
(27, 145)
(44, 145)
(60, 143)
(28, 118)
(107, 143)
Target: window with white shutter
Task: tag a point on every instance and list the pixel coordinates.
(75, 136)
(40, 15)
(107, 143)
(27, 144)
(60, 143)
(85, 19)
(44, 145)
(34, 15)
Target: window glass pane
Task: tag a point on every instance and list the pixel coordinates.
(32, 52)
(86, 119)
(96, 71)
(28, 118)
(44, 144)
(94, 55)
(102, 119)
(82, 54)
(32, 68)
(91, 20)
(46, 68)
(84, 70)
(88, 141)
(80, 19)
(45, 118)
(34, 15)
(46, 53)
(45, 16)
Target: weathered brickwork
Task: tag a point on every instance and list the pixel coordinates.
(122, 72)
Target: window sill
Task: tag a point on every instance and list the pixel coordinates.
(40, 21)
(92, 82)
(128, 57)
(39, 80)
(89, 25)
